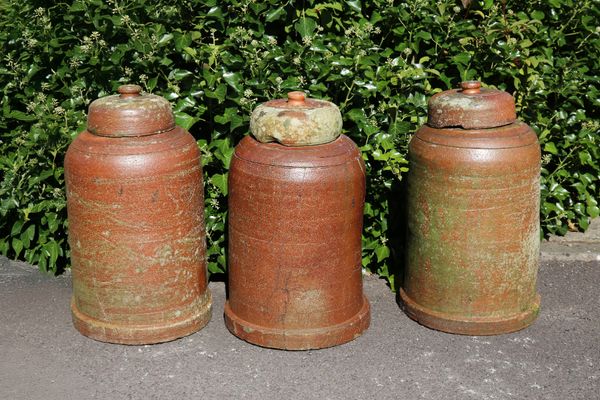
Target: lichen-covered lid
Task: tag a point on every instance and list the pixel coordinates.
(471, 107)
(296, 121)
(130, 113)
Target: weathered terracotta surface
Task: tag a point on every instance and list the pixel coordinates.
(129, 114)
(295, 221)
(296, 121)
(471, 107)
(473, 227)
(136, 225)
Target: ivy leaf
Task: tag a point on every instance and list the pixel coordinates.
(179, 74)
(539, 15)
(219, 93)
(220, 181)
(77, 6)
(214, 268)
(27, 236)
(355, 5)
(21, 116)
(585, 158)
(184, 120)
(16, 228)
(53, 251)
(17, 246)
(423, 35)
(151, 84)
(462, 58)
(305, 26)
(550, 147)
(382, 252)
(215, 12)
(233, 80)
(275, 14)
(166, 38)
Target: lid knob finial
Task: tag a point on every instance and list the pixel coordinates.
(470, 87)
(296, 98)
(127, 91)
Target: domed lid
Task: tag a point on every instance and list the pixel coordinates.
(296, 121)
(130, 113)
(471, 107)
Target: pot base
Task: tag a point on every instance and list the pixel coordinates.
(469, 326)
(299, 339)
(141, 334)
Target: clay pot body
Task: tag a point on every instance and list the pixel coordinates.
(473, 228)
(136, 232)
(295, 222)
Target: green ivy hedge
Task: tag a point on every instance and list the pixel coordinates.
(215, 61)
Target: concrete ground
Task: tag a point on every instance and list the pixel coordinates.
(43, 357)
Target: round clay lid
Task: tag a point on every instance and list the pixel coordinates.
(296, 121)
(471, 107)
(130, 113)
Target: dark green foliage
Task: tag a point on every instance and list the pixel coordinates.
(216, 60)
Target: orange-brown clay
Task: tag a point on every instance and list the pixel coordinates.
(473, 216)
(295, 221)
(136, 224)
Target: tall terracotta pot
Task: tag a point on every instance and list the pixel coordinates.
(473, 207)
(295, 222)
(136, 223)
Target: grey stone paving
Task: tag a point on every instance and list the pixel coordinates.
(43, 357)
(575, 245)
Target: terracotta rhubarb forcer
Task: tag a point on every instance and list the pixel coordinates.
(295, 222)
(473, 206)
(136, 223)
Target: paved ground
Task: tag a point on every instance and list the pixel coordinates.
(575, 246)
(43, 357)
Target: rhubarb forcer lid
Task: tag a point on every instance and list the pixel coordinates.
(296, 121)
(130, 113)
(471, 107)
